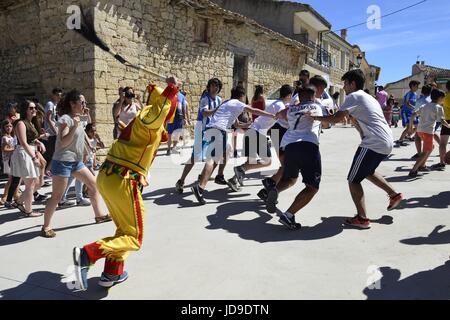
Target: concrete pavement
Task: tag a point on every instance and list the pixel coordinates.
(232, 248)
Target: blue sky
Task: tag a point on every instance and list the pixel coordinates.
(422, 30)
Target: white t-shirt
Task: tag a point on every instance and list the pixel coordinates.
(262, 124)
(301, 128)
(226, 115)
(429, 115)
(7, 141)
(376, 134)
(422, 101)
(50, 107)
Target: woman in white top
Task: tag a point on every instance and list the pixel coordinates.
(68, 160)
(127, 109)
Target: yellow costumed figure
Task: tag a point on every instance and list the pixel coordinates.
(120, 182)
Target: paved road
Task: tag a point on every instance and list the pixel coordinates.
(232, 248)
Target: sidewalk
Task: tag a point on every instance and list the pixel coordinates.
(232, 248)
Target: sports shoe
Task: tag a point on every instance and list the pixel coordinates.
(424, 169)
(109, 280)
(39, 197)
(82, 265)
(413, 174)
(179, 186)
(268, 183)
(358, 222)
(271, 201)
(289, 222)
(83, 202)
(198, 193)
(262, 194)
(220, 180)
(240, 174)
(438, 166)
(8, 205)
(233, 184)
(394, 201)
(66, 204)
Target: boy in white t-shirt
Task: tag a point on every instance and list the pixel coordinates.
(429, 115)
(216, 135)
(257, 141)
(377, 143)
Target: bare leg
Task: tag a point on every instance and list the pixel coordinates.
(59, 185)
(357, 193)
(86, 177)
(302, 199)
(27, 197)
(418, 143)
(206, 173)
(381, 183)
(443, 147)
(421, 161)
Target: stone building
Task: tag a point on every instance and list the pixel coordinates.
(193, 39)
(420, 72)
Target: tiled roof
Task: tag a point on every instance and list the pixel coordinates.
(434, 71)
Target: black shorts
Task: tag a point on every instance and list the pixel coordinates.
(303, 157)
(50, 149)
(215, 144)
(256, 144)
(444, 130)
(364, 164)
(276, 134)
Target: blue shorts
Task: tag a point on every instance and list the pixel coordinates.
(65, 168)
(406, 116)
(176, 125)
(364, 164)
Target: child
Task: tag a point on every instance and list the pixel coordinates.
(395, 114)
(7, 150)
(409, 105)
(429, 114)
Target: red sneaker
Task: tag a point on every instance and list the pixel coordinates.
(358, 222)
(394, 201)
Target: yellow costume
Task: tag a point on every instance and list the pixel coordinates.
(124, 174)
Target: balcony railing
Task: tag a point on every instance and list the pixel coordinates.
(320, 56)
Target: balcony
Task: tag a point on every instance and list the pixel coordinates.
(320, 59)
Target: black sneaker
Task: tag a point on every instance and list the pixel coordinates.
(179, 187)
(262, 194)
(66, 204)
(268, 183)
(39, 197)
(220, 180)
(438, 166)
(198, 193)
(271, 201)
(233, 184)
(413, 174)
(424, 169)
(289, 222)
(235, 154)
(240, 174)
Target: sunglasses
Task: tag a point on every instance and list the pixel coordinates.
(31, 108)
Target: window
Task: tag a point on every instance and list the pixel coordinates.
(333, 61)
(201, 30)
(343, 61)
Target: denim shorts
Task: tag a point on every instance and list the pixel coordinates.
(65, 168)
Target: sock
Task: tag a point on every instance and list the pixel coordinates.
(289, 215)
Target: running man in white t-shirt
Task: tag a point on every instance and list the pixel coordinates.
(377, 144)
(257, 141)
(216, 135)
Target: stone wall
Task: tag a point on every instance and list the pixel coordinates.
(38, 52)
(163, 40)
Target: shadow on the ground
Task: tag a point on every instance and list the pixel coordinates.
(404, 178)
(18, 237)
(439, 201)
(435, 237)
(258, 229)
(168, 196)
(45, 285)
(426, 285)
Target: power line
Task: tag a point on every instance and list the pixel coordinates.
(386, 15)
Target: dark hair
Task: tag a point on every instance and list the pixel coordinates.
(318, 81)
(307, 92)
(336, 95)
(356, 76)
(4, 124)
(89, 127)
(23, 108)
(367, 91)
(285, 90)
(426, 90)
(259, 90)
(238, 92)
(304, 72)
(380, 88)
(436, 94)
(447, 85)
(72, 96)
(414, 83)
(216, 82)
(57, 91)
